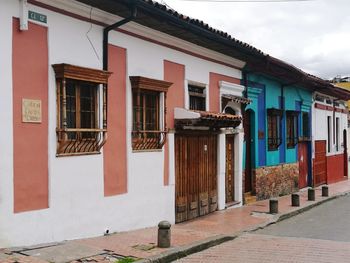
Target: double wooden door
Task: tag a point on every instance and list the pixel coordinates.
(195, 175)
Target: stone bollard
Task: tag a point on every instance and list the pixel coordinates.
(273, 206)
(311, 194)
(295, 200)
(325, 191)
(164, 234)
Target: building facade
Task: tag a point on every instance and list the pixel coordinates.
(94, 135)
(278, 127)
(118, 116)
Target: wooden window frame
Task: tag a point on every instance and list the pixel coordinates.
(329, 135)
(199, 96)
(77, 140)
(337, 131)
(142, 138)
(292, 128)
(305, 118)
(274, 118)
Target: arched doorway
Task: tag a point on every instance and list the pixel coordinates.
(248, 122)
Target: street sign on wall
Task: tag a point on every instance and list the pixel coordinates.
(37, 17)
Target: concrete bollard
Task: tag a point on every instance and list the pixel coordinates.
(164, 234)
(274, 206)
(325, 191)
(295, 200)
(311, 194)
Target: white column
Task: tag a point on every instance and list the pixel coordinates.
(221, 170)
(239, 137)
(171, 146)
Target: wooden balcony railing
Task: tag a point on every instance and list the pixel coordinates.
(148, 140)
(80, 141)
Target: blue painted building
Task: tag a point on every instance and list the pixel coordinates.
(277, 137)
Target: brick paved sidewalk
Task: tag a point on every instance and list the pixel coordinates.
(141, 243)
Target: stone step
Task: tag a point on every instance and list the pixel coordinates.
(249, 198)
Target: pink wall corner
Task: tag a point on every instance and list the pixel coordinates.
(30, 140)
(115, 151)
(214, 89)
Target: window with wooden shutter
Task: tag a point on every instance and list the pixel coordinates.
(79, 127)
(274, 128)
(149, 113)
(292, 128)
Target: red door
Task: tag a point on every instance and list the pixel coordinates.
(320, 164)
(303, 164)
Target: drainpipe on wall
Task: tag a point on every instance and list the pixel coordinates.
(105, 57)
(112, 27)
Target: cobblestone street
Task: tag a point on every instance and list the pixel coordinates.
(254, 248)
(309, 237)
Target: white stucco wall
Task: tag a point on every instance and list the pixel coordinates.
(77, 206)
(320, 127)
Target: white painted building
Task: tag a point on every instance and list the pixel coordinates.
(330, 133)
(57, 182)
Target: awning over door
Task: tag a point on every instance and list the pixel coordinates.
(186, 118)
(237, 99)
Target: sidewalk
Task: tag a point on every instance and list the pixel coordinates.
(187, 237)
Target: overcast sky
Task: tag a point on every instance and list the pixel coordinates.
(312, 35)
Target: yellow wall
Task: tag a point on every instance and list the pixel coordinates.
(344, 85)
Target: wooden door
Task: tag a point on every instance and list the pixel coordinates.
(303, 164)
(229, 174)
(195, 178)
(248, 159)
(320, 164)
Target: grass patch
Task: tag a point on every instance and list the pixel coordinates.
(126, 260)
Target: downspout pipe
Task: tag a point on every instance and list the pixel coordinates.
(112, 27)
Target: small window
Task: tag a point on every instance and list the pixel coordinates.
(329, 135)
(337, 130)
(305, 121)
(197, 97)
(273, 128)
(292, 128)
(79, 127)
(319, 98)
(149, 114)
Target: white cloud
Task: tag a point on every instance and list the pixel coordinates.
(313, 35)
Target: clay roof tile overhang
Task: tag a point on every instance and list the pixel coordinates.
(161, 18)
(211, 120)
(158, 17)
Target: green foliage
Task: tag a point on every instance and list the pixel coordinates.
(126, 260)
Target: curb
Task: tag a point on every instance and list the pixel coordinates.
(183, 251)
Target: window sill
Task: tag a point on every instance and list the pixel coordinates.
(76, 154)
(147, 150)
(272, 150)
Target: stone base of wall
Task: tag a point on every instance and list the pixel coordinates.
(273, 181)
